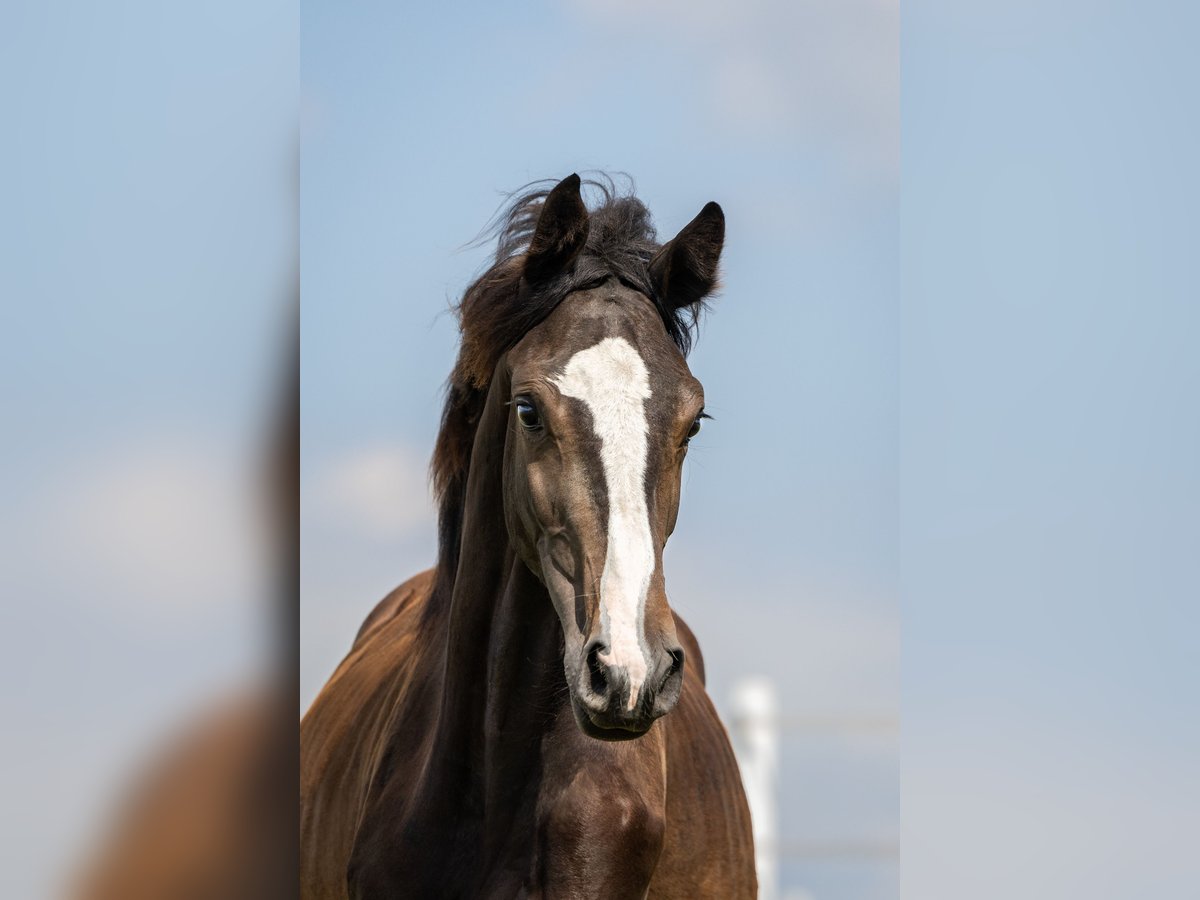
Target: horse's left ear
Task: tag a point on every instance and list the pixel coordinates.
(685, 270)
(561, 231)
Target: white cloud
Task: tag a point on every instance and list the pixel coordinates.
(378, 492)
(153, 526)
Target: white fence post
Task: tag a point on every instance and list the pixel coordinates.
(756, 743)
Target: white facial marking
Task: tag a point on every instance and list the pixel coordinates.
(612, 381)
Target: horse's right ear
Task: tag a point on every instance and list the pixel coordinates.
(561, 232)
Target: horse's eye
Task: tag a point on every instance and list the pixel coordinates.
(694, 430)
(527, 415)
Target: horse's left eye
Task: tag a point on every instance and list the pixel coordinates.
(527, 415)
(694, 430)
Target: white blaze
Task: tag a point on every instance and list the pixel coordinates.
(612, 381)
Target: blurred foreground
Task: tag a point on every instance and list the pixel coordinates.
(149, 468)
(212, 814)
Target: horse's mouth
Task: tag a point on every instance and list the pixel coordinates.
(602, 731)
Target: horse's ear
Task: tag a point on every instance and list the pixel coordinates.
(561, 232)
(685, 270)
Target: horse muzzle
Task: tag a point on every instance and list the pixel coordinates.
(610, 705)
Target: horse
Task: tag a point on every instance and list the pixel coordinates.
(529, 718)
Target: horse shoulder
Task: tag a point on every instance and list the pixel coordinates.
(416, 590)
(349, 736)
(367, 675)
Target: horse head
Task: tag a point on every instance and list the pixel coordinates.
(601, 408)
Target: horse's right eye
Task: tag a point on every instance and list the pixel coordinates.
(527, 415)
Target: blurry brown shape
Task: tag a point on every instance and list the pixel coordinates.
(199, 823)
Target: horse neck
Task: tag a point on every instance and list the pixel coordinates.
(503, 670)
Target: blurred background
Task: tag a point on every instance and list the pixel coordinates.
(416, 119)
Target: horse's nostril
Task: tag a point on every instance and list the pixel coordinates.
(671, 686)
(677, 659)
(676, 663)
(599, 681)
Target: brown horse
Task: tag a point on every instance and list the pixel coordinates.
(500, 727)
